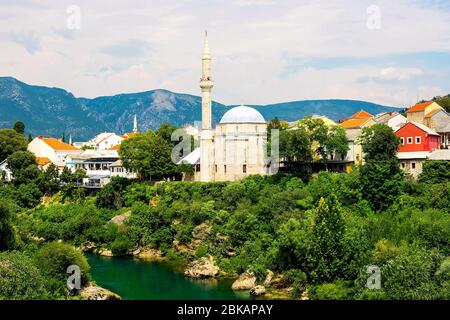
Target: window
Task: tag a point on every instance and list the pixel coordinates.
(197, 168)
(244, 168)
(402, 141)
(225, 168)
(403, 165)
(409, 140)
(413, 165)
(418, 140)
(216, 167)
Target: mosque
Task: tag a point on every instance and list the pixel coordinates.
(236, 147)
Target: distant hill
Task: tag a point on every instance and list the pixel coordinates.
(53, 111)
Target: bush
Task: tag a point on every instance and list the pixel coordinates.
(19, 278)
(121, 246)
(28, 195)
(331, 291)
(111, 195)
(297, 279)
(7, 237)
(435, 171)
(54, 258)
(410, 275)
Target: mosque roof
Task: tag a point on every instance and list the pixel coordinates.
(242, 114)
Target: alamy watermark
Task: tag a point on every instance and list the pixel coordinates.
(374, 279)
(74, 19)
(374, 17)
(74, 280)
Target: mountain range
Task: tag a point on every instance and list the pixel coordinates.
(54, 111)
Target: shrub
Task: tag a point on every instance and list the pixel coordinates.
(331, 291)
(19, 278)
(54, 258)
(111, 195)
(410, 275)
(435, 171)
(7, 237)
(297, 279)
(121, 246)
(28, 195)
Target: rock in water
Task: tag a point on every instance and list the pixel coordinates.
(246, 281)
(148, 254)
(258, 291)
(94, 292)
(202, 268)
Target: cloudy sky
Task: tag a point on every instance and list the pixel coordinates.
(264, 51)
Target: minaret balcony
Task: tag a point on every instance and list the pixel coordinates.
(206, 84)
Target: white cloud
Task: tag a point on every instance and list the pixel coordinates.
(128, 47)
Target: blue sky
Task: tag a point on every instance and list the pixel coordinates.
(264, 51)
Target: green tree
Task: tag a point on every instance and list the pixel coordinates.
(10, 142)
(327, 250)
(19, 278)
(23, 167)
(336, 142)
(444, 102)
(19, 127)
(379, 143)
(30, 138)
(28, 195)
(295, 146)
(435, 171)
(149, 154)
(49, 180)
(165, 131)
(66, 175)
(54, 258)
(7, 238)
(381, 182)
(325, 140)
(111, 195)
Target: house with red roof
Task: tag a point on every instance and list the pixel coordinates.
(417, 141)
(53, 150)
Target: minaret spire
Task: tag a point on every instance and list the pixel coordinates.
(135, 126)
(206, 85)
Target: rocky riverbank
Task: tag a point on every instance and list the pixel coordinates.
(95, 292)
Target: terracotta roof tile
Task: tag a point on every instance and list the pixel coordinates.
(56, 144)
(116, 147)
(419, 107)
(42, 161)
(353, 123)
(361, 115)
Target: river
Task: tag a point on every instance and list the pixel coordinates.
(139, 280)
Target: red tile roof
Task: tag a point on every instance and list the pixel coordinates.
(58, 145)
(42, 161)
(354, 123)
(419, 107)
(361, 115)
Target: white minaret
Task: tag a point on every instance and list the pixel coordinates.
(135, 126)
(206, 135)
(206, 85)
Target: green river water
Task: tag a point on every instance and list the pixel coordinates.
(134, 279)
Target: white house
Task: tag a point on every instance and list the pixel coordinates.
(117, 170)
(53, 149)
(104, 141)
(5, 172)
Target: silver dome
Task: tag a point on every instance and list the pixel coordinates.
(242, 114)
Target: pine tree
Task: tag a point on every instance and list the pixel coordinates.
(327, 251)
